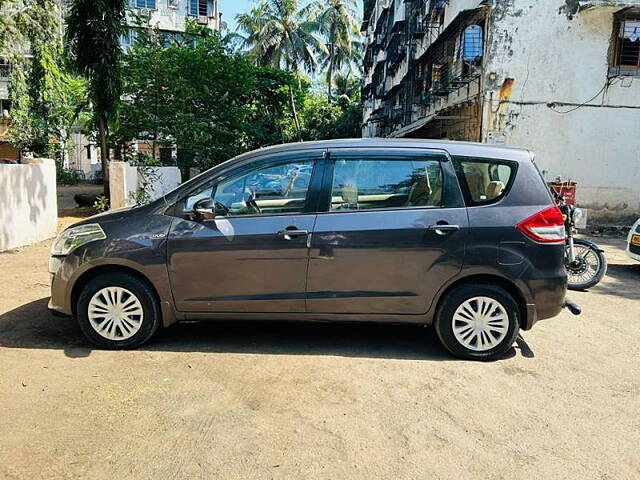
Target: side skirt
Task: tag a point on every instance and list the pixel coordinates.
(310, 317)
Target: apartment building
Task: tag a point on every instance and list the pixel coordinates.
(561, 77)
(170, 17)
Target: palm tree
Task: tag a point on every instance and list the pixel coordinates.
(281, 35)
(251, 24)
(336, 20)
(278, 34)
(346, 85)
(93, 35)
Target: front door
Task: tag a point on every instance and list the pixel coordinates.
(253, 255)
(394, 232)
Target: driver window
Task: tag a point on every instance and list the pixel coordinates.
(272, 190)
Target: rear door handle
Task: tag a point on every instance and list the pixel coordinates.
(444, 228)
(289, 234)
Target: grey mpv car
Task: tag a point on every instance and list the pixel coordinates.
(462, 236)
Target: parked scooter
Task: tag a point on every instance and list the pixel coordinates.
(584, 260)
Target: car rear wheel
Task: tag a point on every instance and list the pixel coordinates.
(478, 321)
(118, 311)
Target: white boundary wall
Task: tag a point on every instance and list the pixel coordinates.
(28, 203)
(124, 181)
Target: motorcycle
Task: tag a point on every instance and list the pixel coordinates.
(584, 260)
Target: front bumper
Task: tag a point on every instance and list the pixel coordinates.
(55, 310)
(633, 251)
(57, 302)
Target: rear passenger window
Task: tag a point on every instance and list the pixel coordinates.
(484, 181)
(365, 184)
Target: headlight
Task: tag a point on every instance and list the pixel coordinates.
(76, 236)
(577, 214)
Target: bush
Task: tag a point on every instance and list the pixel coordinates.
(322, 120)
(101, 204)
(66, 176)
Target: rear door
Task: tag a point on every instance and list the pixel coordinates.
(393, 231)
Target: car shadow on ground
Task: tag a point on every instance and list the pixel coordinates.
(32, 326)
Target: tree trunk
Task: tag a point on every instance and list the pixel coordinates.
(295, 112)
(330, 73)
(104, 151)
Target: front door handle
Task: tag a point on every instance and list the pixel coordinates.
(289, 234)
(444, 229)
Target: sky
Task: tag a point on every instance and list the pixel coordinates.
(230, 8)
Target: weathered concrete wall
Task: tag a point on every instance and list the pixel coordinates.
(546, 59)
(125, 180)
(28, 204)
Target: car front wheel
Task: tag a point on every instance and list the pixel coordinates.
(118, 311)
(478, 322)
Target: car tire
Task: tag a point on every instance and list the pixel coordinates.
(602, 270)
(126, 304)
(478, 321)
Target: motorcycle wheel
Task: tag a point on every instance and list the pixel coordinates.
(589, 267)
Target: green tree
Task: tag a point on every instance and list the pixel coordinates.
(45, 98)
(93, 35)
(347, 85)
(203, 100)
(336, 21)
(279, 34)
(322, 120)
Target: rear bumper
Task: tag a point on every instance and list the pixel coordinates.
(549, 298)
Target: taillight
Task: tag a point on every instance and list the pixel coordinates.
(546, 226)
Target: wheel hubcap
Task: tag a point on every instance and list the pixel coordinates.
(480, 323)
(115, 313)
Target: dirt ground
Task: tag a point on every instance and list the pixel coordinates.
(251, 400)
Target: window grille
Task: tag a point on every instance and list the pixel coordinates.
(626, 51)
(471, 42)
(198, 8)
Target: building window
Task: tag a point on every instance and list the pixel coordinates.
(471, 43)
(128, 38)
(198, 8)
(151, 4)
(626, 52)
(4, 70)
(5, 107)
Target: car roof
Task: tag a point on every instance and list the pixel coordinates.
(467, 149)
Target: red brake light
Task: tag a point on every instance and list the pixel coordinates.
(546, 226)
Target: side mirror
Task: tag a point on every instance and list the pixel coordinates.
(204, 208)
